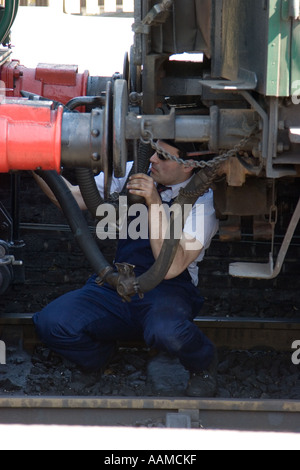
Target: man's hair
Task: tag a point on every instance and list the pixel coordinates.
(185, 148)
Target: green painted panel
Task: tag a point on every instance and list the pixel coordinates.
(295, 56)
(7, 17)
(279, 49)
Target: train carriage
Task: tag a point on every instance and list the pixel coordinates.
(222, 73)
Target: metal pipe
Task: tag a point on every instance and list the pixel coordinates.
(81, 139)
(192, 128)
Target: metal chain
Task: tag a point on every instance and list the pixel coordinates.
(148, 139)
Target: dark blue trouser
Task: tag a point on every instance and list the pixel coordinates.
(85, 325)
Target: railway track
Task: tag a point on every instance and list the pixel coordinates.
(161, 412)
(233, 333)
(246, 415)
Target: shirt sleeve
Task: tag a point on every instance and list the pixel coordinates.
(117, 184)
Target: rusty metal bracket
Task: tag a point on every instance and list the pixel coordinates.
(155, 17)
(268, 270)
(159, 13)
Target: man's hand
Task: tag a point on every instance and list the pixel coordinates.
(143, 185)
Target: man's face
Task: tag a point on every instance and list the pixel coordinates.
(168, 172)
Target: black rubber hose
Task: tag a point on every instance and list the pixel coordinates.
(93, 101)
(145, 152)
(76, 220)
(199, 185)
(88, 188)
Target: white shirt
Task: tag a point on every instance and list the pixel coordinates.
(201, 223)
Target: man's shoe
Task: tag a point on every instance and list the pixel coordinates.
(204, 384)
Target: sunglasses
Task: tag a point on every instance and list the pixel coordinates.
(161, 157)
(190, 154)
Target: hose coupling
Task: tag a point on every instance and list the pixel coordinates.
(127, 283)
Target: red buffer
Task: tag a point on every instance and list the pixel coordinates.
(30, 136)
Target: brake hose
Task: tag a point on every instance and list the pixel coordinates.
(76, 220)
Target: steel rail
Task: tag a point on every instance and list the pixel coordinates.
(233, 333)
(245, 415)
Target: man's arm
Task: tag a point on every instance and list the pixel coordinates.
(185, 255)
(75, 190)
(116, 186)
(189, 247)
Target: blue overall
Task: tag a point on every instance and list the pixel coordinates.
(85, 325)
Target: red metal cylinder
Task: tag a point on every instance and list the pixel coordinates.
(54, 82)
(30, 137)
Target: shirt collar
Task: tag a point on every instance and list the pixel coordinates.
(172, 193)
